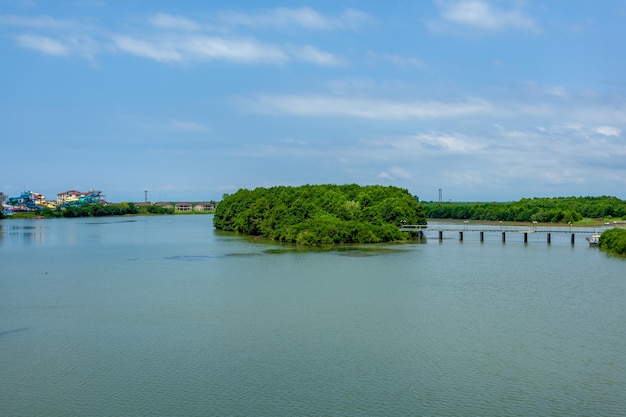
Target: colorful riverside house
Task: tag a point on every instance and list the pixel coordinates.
(73, 197)
(27, 201)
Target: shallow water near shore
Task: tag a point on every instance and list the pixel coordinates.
(165, 316)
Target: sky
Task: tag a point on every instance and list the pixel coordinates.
(485, 100)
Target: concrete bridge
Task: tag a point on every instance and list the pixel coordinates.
(466, 227)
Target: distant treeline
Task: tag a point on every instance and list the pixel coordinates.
(320, 214)
(542, 210)
(120, 209)
(97, 210)
(613, 240)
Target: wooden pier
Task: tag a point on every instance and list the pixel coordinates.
(421, 230)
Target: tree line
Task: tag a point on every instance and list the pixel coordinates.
(541, 210)
(317, 215)
(97, 210)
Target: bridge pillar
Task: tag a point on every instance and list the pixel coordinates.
(482, 236)
(572, 238)
(461, 236)
(503, 237)
(549, 238)
(420, 235)
(441, 235)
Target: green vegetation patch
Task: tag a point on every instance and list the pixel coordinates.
(541, 210)
(316, 215)
(95, 210)
(613, 240)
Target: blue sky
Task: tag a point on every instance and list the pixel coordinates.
(488, 100)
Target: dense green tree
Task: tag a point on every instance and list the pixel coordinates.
(320, 214)
(542, 210)
(614, 240)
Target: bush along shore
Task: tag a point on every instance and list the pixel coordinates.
(614, 241)
(317, 215)
(95, 210)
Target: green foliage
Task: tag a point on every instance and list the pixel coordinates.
(316, 215)
(153, 209)
(613, 240)
(542, 210)
(96, 210)
(99, 210)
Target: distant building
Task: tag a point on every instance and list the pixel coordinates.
(77, 197)
(164, 205)
(69, 196)
(183, 206)
(204, 206)
(187, 206)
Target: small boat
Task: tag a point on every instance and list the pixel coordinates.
(593, 240)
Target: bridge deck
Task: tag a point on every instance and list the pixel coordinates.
(502, 228)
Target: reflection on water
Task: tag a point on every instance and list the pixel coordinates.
(23, 232)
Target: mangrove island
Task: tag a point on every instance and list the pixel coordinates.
(316, 215)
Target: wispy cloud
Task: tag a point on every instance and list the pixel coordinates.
(398, 60)
(379, 109)
(168, 21)
(200, 48)
(42, 44)
(608, 131)
(303, 17)
(167, 39)
(482, 15)
(395, 173)
(314, 55)
(157, 51)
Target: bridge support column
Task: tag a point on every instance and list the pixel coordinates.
(503, 237)
(441, 235)
(461, 236)
(482, 236)
(549, 238)
(573, 238)
(525, 237)
(420, 235)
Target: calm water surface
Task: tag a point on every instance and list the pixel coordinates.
(163, 316)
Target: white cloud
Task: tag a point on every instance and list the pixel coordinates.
(398, 60)
(395, 173)
(608, 131)
(312, 105)
(145, 49)
(480, 14)
(164, 20)
(316, 56)
(42, 44)
(239, 50)
(424, 145)
(182, 43)
(201, 48)
(557, 91)
(304, 17)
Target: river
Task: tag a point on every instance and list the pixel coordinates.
(163, 316)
